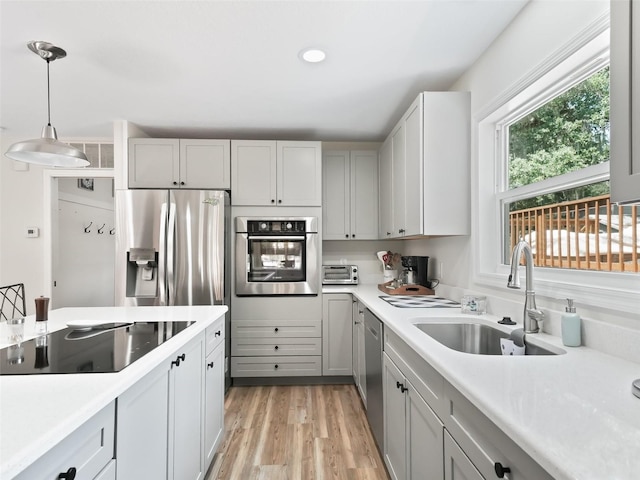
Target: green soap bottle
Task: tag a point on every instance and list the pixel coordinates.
(571, 326)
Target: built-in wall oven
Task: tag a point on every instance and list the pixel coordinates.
(276, 256)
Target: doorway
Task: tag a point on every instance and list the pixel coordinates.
(81, 243)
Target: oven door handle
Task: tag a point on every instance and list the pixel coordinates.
(279, 238)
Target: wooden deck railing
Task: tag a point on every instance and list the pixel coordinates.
(589, 234)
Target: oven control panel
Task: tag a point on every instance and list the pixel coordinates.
(276, 226)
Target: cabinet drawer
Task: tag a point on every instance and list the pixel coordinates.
(88, 449)
(294, 366)
(426, 380)
(484, 443)
(272, 329)
(280, 346)
(214, 335)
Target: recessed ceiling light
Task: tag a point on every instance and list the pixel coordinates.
(313, 55)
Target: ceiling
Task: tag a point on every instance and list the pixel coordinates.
(231, 69)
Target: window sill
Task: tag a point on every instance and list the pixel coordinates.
(619, 292)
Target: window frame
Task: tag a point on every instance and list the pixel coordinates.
(569, 66)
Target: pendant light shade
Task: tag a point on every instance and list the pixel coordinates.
(47, 150)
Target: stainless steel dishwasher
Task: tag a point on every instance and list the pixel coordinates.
(373, 364)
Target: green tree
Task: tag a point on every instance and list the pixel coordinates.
(568, 133)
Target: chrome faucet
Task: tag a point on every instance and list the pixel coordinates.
(532, 316)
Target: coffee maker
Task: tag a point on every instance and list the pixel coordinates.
(416, 270)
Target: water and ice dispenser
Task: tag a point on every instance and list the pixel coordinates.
(142, 273)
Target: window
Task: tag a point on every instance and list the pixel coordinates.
(554, 153)
(589, 283)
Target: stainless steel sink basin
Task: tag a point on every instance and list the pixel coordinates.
(475, 338)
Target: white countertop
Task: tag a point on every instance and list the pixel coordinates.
(574, 414)
(38, 411)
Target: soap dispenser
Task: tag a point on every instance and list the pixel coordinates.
(571, 327)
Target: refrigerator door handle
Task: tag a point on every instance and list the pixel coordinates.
(163, 255)
(171, 235)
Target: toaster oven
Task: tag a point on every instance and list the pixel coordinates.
(339, 274)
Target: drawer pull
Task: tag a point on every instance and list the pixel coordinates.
(210, 365)
(69, 474)
(176, 362)
(500, 470)
(275, 329)
(276, 366)
(276, 347)
(218, 333)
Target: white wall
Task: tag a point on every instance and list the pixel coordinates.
(21, 201)
(83, 257)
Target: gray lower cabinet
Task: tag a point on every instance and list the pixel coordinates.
(457, 465)
(357, 355)
(270, 348)
(433, 431)
(213, 391)
(413, 434)
(88, 451)
(159, 421)
(337, 329)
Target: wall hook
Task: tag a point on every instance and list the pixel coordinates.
(101, 229)
(86, 229)
(112, 231)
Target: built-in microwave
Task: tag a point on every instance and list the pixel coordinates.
(339, 274)
(276, 256)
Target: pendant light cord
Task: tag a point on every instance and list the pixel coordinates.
(48, 96)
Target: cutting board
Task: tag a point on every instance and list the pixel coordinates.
(411, 289)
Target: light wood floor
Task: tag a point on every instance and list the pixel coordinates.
(296, 433)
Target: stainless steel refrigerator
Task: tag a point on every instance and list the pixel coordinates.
(172, 248)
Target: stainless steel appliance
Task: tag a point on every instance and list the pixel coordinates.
(416, 270)
(339, 274)
(373, 366)
(172, 248)
(276, 256)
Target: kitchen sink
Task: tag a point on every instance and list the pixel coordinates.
(476, 338)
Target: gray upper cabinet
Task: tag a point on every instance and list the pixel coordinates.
(280, 173)
(350, 195)
(625, 101)
(424, 169)
(179, 163)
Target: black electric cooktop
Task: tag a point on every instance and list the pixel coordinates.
(97, 350)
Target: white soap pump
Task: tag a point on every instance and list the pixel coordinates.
(571, 336)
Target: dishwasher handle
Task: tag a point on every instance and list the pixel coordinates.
(373, 332)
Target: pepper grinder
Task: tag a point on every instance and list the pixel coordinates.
(42, 315)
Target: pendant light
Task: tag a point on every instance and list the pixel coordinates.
(47, 150)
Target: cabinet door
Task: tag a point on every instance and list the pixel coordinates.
(336, 334)
(253, 172)
(205, 164)
(625, 101)
(185, 413)
(355, 347)
(214, 403)
(335, 195)
(399, 180)
(154, 162)
(143, 428)
(395, 432)
(425, 438)
(362, 366)
(386, 184)
(413, 169)
(299, 174)
(456, 464)
(364, 195)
